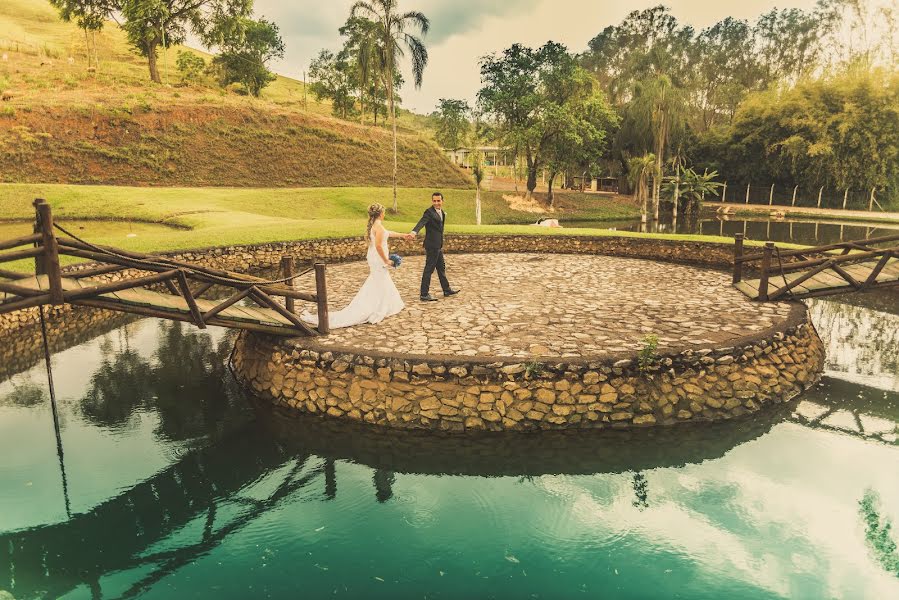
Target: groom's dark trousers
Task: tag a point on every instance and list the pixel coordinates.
(433, 224)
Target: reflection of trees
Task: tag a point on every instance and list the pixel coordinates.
(25, 395)
(117, 389)
(383, 481)
(185, 385)
(878, 532)
(641, 492)
(858, 340)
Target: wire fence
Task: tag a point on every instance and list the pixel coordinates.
(762, 193)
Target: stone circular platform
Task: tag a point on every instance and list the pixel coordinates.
(540, 340)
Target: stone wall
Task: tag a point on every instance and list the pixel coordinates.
(247, 258)
(472, 395)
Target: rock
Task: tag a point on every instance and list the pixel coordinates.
(622, 416)
(643, 420)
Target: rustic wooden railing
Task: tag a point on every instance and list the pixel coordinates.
(50, 285)
(819, 271)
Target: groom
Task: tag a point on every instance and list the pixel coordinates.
(432, 220)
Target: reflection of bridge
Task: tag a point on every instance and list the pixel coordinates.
(185, 284)
(115, 536)
(852, 410)
(52, 559)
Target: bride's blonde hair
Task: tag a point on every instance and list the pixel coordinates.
(374, 211)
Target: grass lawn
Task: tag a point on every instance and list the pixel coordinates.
(160, 219)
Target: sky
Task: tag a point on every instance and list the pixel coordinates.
(462, 31)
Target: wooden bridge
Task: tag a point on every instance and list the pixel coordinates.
(172, 294)
(819, 271)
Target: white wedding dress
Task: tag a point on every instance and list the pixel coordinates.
(376, 300)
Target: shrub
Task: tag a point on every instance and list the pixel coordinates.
(190, 65)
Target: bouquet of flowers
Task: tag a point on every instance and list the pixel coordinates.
(396, 259)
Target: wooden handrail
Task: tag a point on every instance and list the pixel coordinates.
(21, 241)
(819, 249)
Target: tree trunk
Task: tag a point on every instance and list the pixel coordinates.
(532, 177)
(151, 58)
(549, 183)
(477, 205)
(390, 68)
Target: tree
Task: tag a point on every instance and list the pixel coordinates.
(478, 172)
(363, 47)
(394, 41)
(639, 170)
(839, 132)
(537, 98)
(660, 107)
(151, 24)
(453, 126)
(243, 60)
(331, 76)
(89, 15)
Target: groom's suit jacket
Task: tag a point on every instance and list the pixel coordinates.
(433, 225)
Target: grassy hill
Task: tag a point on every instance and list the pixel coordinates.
(62, 123)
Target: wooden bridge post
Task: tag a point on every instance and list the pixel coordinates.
(50, 260)
(738, 254)
(288, 269)
(766, 266)
(321, 294)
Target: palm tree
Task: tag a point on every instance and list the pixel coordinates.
(394, 41)
(659, 104)
(640, 168)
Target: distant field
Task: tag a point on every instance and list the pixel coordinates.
(203, 217)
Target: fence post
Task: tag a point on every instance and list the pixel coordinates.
(724, 193)
(845, 198)
(51, 250)
(821, 191)
(738, 254)
(771, 196)
(289, 270)
(321, 295)
(766, 266)
(795, 189)
(747, 193)
(871, 201)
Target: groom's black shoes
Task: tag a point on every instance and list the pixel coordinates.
(448, 293)
(428, 298)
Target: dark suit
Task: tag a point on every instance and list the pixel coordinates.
(433, 244)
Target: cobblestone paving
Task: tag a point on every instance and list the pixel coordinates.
(542, 305)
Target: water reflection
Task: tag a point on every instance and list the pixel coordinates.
(792, 230)
(180, 489)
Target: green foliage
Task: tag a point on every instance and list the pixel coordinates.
(879, 533)
(453, 126)
(647, 358)
(692, 187)
(839, 132)
(534, 369)
(87, 14)
(190, 65)
(331, 76)
(545, 105)
(151, 24)
(243, 60)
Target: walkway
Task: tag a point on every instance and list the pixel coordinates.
(545, 305)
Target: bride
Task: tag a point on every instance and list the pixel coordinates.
(378, 297)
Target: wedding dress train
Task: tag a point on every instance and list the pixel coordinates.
(376, 300)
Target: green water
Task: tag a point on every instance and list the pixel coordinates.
(169, 483)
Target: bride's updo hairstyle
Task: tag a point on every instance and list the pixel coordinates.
(374, 211)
